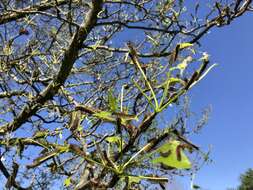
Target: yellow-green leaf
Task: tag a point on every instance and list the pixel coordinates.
(113, 139)
(67, 182)
(116, 140)
(182, 66)
(169, 156)
(173, 80)
(63, 148)
(112, 100)
(134, 179)
(185, 45)
(54, 30)
(104, 115)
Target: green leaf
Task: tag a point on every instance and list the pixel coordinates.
(63, 148)
(41, 134)
(115, 139)
(175, 80)
(182, 66)
(67, 182)
(94, 47)
(134, 179)
(54, 30)
(104, 115)
(185, 45)
(80, 128)
(112, 100)
(169, 156)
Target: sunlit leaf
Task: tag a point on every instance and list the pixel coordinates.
(169, 156)
(185, 45)
(182, 66)
(63, 148)
(94, 47)
(41, 134)
(115, 139)
(67, 182)
(112, 100)
(80, 128)
(104, 115)
(134, 179)
(173, 80)
(54, 30)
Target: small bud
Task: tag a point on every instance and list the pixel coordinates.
(23, 31)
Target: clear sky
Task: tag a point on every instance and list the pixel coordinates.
(229, 90)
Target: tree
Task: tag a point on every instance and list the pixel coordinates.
(84, 83)
(246, 180)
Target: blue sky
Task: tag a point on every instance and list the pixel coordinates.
(228, 89)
